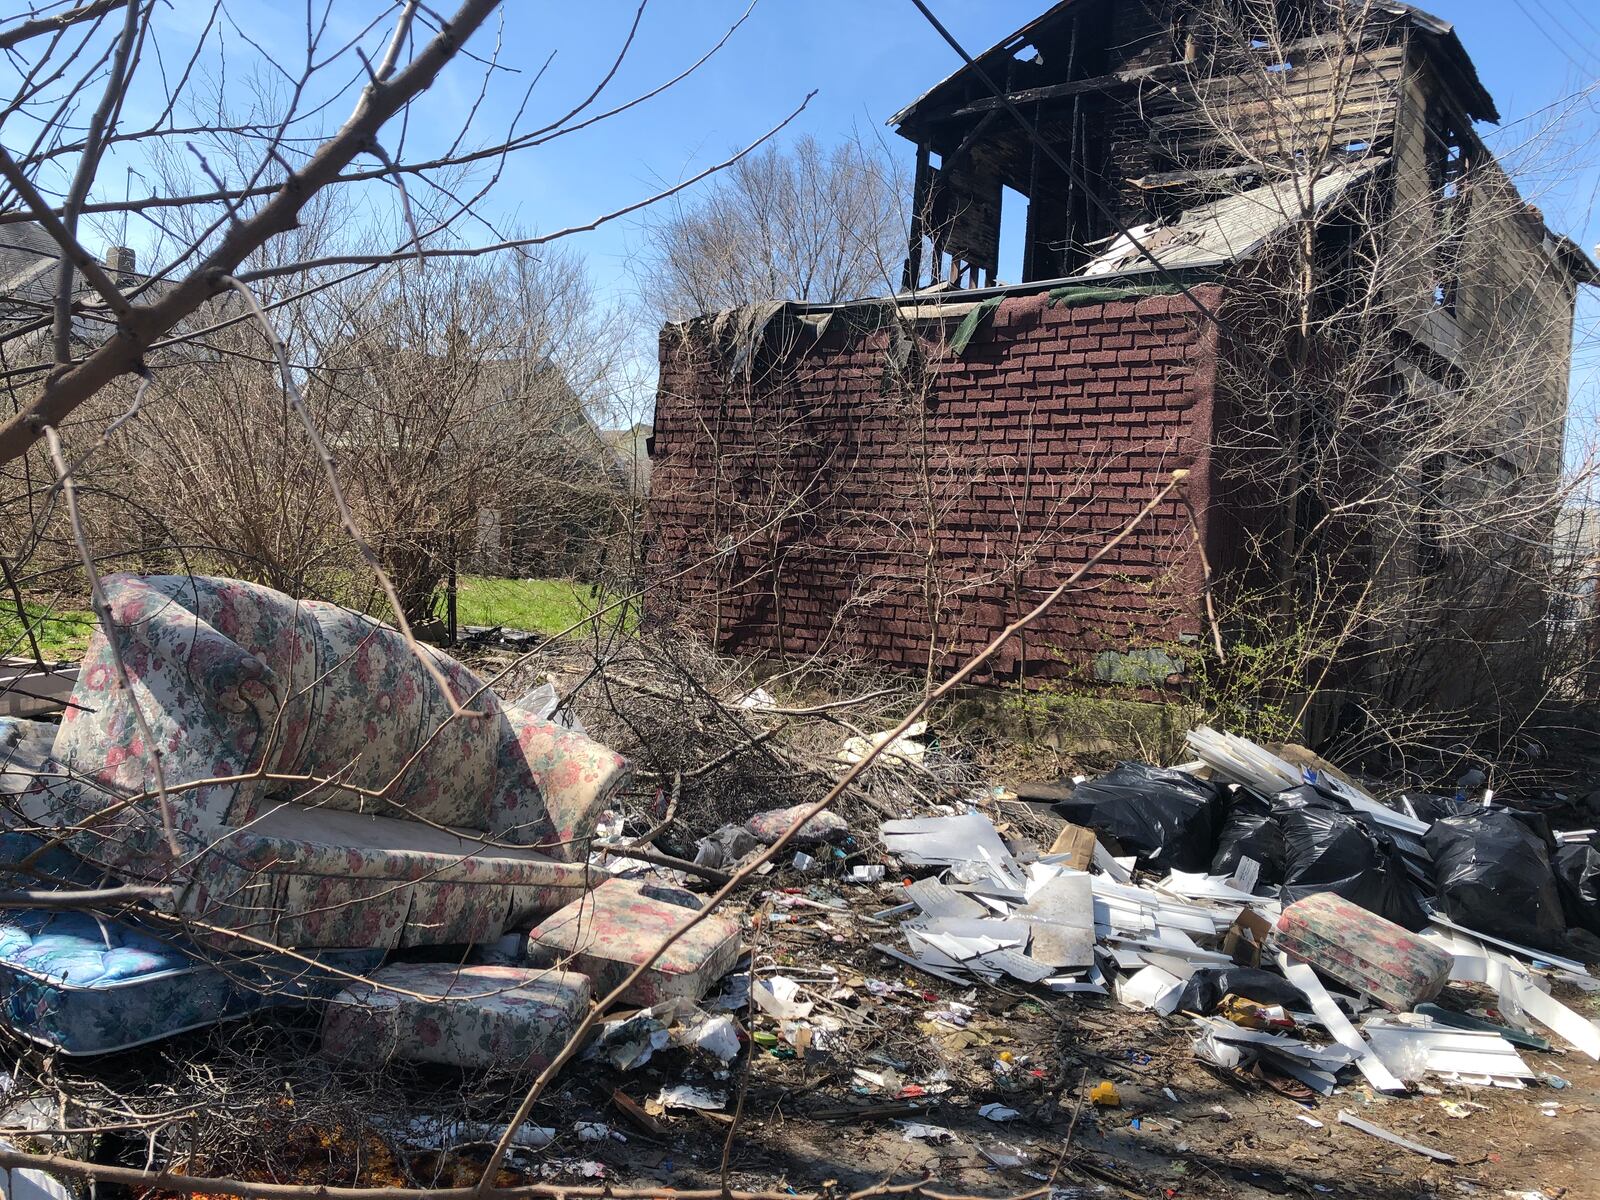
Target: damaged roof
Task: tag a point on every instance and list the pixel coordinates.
(1231, 228)
(1449, 54)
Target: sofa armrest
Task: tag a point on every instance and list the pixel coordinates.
(207, 701)
(575, 777)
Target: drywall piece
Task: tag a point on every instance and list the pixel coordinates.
(936, 900)
(1554, 1015)
(1151, 988)
(1336, 1023)
(1066, 899)
(1061, 914)
(1410, 1051)
(936, 972)
(1378, 1131)
(1062, 945)
(1543, 956)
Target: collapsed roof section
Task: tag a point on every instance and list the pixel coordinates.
(1141, 111)
(1229, 229)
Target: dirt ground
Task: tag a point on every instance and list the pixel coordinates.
(1209, 1138)
(808, 1121)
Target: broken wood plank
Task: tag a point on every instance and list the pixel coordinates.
(1378, 1131)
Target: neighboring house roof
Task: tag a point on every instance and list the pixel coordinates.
(1226, 230)
(29, 258)
(29, 262)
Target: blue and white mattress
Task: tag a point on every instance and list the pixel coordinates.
(88, 986)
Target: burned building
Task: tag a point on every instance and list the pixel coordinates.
(1264, 243)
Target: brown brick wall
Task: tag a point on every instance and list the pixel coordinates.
(1032, 449)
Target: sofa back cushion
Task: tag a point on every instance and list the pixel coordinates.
(230, 674)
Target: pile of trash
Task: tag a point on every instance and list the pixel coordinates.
(1305, 928)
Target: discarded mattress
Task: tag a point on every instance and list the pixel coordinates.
(445, 831)
(84, 986)
(1363, 951)
(488, 1017)
(621, 924)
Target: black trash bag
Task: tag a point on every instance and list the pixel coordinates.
(1432, 807)
(1578, 882)
(1493, 875)
(1327, 849)
(1168, 818)
(1250, 831)
(1208, 986)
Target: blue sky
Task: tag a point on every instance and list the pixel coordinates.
(869, 57)
(865, 58)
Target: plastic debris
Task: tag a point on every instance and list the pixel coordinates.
(717, 1036)
(905, 748)
(998, 1112)
(757, 698)
(1494, 874)
(1165, 817)
(630, 1043)
(1105, 1095)
(1378, 1131)
(427, 1132)
(777, 996)
(683, 1095)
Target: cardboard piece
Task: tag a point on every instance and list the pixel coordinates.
(1077, 844)
(1246, 937)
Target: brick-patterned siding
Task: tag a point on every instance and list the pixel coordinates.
(1029, 450)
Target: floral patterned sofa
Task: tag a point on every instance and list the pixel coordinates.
(367, 816)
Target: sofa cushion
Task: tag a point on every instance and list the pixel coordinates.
(622, 923)
(483, 1017)
(237, 681)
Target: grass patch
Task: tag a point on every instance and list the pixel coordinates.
(62, 633)
(541, 605)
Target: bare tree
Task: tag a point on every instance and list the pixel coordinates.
(1396, 367)
(803, 223)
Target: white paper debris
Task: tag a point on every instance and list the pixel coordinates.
(776, 996)
(682, 1095)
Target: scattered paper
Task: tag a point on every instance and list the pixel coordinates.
(682, 1095)
(776, 996)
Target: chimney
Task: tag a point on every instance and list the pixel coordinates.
(120, 260)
